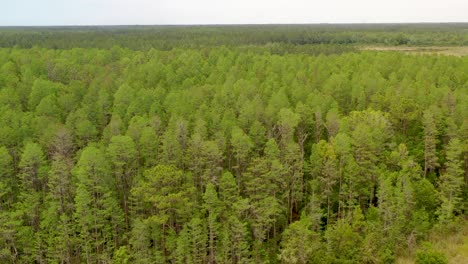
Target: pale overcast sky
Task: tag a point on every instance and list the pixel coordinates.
(132, 12)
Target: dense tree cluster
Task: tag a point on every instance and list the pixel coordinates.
(168, 37)
(228, 155)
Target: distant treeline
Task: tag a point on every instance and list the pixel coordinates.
(168, 37)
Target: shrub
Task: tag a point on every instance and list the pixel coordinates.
(429, 256)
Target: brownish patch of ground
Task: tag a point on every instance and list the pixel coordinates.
(451, 51)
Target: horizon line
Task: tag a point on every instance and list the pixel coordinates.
(236, 24)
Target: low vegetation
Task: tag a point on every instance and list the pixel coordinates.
(444, 244)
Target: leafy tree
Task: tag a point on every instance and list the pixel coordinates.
(332, 123)
(99, 219)
(84, 130)
(149, 146)
(144, 242)
(451, 182)
(242, 146)
(8, 247)
(324, 160)
(212, 206)
(348, 173)
(300, 244)
(430, 142)
(7, 179)
(370, 132)
(164, 194)
(122, 100)
(122, 155)
(174, 141)
(33, 181)
(57, 221)
(228, 189)
(344, 241)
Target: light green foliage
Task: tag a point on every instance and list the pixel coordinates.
(228, 189)
(430, 141)
(252, 144)
(167, 190)
(57, 221)
(451, 182)
(325, 169)
(8, 185)
(242, 145)
(123, 97)
(429, 256)
(164, 196)
(40, 90)
(300, 244)
(97, 209)
(33, 180)
(287, 123)
(213, 207)
(7, 178)
(123, 156)
(148, 146)
(343, 243)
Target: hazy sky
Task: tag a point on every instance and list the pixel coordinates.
(131, 12)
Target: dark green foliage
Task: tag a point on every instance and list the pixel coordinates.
(280, 38)
(275, 144)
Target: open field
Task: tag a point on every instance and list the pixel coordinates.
(452, 51)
